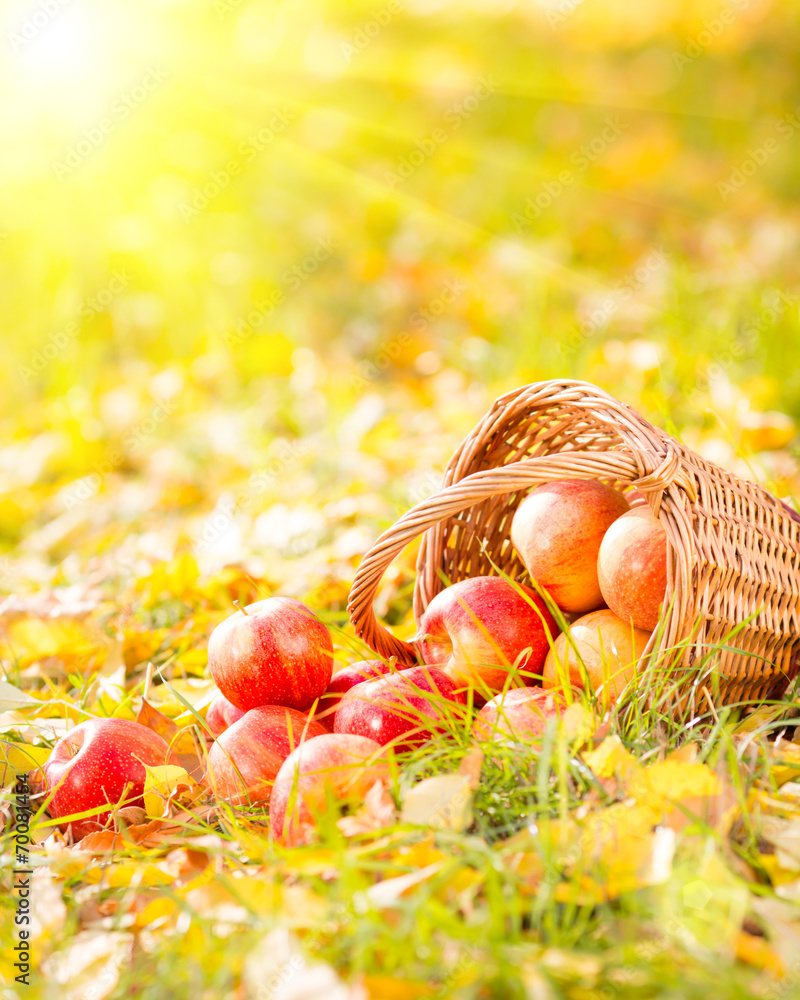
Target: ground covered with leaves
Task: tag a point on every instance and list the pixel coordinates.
(622, 855)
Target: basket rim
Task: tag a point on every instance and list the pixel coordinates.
(645, 457)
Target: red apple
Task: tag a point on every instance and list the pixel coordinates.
(221, 714)
(342, 681)
(477, 629)
(557, 531)
(608, 647)
(519, 713)
(100, 763)
(414, 704)
(274, 652)
(336, 768)
(243, 762)
(632, 567)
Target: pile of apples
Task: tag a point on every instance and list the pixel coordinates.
(290, 732)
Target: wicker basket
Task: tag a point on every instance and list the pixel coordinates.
(733, 549)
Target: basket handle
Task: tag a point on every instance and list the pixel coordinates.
(647, 471)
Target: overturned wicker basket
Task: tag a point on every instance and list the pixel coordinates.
(733, 549)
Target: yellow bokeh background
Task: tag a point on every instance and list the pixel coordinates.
(268, 261)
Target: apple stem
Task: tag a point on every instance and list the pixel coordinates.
(239, 607)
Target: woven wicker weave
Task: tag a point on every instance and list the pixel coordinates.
(733, 549)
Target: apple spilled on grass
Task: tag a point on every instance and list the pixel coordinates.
(482, 640)
(98, 768)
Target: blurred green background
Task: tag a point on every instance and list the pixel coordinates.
(266, 263)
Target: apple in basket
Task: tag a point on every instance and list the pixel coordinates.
(477, 630)
(243, 762)
(632, 567)
(557, 531)
(608, 648)
(101, 763)
(272, 652)
(405, 708)
(327, 772)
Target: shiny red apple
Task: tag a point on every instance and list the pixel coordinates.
(599, 649)
(99, 763)
(557, 531)
(243, 762)
(342, 681)
(632, 567)
(405, 709)
(520, 713)
(221, 714)
(478, 629)
(335, 770)
(273, 652)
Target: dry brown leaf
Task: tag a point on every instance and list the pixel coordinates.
(387, 892)
(101, 842)
(181, 740)
(185, 863)
(129, 816)
(443, 801)
(377, 812)
(104, 841)
(90, 966)
(470, 767)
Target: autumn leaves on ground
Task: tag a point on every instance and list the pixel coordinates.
(382, 835)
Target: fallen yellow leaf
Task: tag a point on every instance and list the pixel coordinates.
(390, 988)
(19, 758)
(611, 759)
(442, 802)
(156, 910)
(787, 762)
(136, 873)
(759, 952)
(164, 785)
